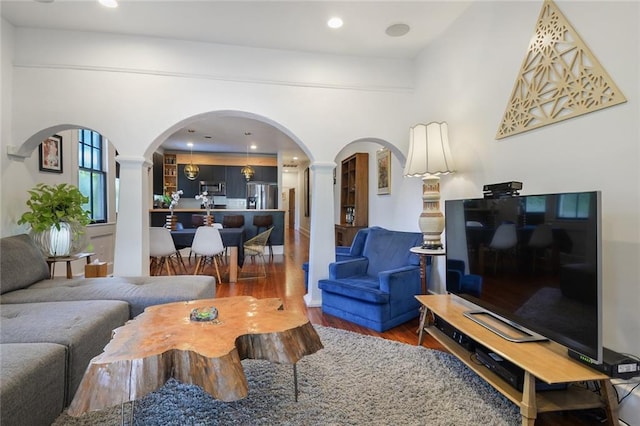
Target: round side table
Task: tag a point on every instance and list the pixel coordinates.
(424, 254)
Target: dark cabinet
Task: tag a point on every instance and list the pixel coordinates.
(265, 174)
(158, 176)
(219, 174)
(236, 183)
(190, 188)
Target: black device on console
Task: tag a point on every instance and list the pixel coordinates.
(499, 190)
(510, 372)
(455, 334)
(614, 364)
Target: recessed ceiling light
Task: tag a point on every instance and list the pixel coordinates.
(109, 3)
(253, 146)
(335, 22)
(295, 158)
(189, 144)
(397, 30)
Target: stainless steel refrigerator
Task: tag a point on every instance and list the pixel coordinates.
(262, 195)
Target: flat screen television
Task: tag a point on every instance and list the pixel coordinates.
(539, 259)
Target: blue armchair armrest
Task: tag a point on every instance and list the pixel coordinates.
(396, 282)
(348, 268)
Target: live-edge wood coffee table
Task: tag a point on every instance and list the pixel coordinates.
(163, 342)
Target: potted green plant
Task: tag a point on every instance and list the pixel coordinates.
(57, 218)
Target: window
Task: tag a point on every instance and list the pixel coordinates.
(574, 206)
(535, 204)
(92, 176)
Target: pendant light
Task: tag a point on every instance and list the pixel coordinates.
(191, 170)
(247, 170)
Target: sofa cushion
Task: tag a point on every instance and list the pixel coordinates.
(388, 250)
(139, 292)
(33, 383)
(83, 327)
(21, 263)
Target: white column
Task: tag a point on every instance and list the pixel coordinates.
(132, 227)
(322, 238)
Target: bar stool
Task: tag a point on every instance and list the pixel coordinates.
(232, 221)
(266, 222)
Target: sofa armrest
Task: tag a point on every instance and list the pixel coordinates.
(348, 268)
(401, 282)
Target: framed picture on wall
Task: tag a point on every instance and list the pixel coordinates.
(383, 162)
(50, 154)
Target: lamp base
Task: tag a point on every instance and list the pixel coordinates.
(431, 220)
(432, 245)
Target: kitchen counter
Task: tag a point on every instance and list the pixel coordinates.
(157, 217)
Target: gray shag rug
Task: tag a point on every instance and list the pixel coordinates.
(354, 380)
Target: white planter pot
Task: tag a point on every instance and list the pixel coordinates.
(58, 242)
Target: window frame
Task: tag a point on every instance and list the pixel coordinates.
(96, 168)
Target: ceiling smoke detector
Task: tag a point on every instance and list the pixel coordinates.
(397, 30)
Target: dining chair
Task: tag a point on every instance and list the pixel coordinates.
(504, 241)
(215, 225)
(207, 243)
(266, 222)
(162, 251)
(541, 239)
(254, 247)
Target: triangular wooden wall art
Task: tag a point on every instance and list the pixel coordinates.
(560, 78)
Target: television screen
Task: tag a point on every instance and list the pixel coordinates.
(533, 260)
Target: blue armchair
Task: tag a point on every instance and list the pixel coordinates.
(460, 282)
(343, 252)
(377, 290)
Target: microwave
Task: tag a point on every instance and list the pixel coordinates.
(213, 188)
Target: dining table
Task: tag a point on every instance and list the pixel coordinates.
(233, 238)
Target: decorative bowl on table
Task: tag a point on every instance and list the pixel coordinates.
(204, 314)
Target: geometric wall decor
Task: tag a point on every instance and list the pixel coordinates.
(559, 79)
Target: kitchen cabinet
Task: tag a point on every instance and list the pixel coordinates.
(169, 174)
(236, 183)
(219, 174)
(265, 174)
(158, 167)
(190, 188)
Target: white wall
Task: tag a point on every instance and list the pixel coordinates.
(471, 70)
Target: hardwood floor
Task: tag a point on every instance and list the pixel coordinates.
(285, 280)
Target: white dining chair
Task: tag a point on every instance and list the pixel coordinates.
(163, 251)
(207, 243)
(504, 241)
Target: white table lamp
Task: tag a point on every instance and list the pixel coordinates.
(429, 157)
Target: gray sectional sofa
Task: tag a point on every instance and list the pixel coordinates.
(50, 329)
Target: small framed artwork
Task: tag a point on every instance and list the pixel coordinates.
(50, 154)
(383, 161)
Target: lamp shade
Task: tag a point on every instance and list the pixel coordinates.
(429, 152)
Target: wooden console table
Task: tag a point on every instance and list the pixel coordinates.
(51, 261)
(547, 361)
